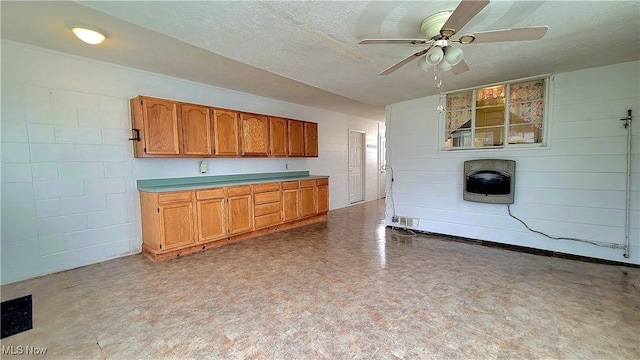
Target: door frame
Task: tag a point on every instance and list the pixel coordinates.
(382, 157)
(363, 134)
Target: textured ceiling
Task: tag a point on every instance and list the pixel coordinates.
(307, 51)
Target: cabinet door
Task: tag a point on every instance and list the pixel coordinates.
(323, 198)
(290, 209)
(278, 137)
(176, 225)
(307, 201)
(196, 129)
(296, 138)
(240, 214)
(310, 139)
(225, 133)
(161, 134)
(255, 134)
(211, 219)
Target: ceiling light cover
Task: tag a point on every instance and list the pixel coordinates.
(422, 63)
(87, 35)
(453, 55)
(434, 56)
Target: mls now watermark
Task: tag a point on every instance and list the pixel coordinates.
(23, 350)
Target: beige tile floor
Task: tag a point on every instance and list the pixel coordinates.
(348, 288)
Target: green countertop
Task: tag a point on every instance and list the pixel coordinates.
(206, 182)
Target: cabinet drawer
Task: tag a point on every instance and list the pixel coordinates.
(321, 182)
(239, 190)
(210, 194)
(268, 220)
(307, 183)
(267, 197)
(265, 209)
(173, 197)
(258, 188)
(289, 185)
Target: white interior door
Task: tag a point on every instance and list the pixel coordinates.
(382, 145)
(355, 166)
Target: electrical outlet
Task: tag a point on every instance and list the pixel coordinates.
(394, 218)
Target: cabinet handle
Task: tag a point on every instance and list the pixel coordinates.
(137, 137)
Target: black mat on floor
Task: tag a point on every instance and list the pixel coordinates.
(17, 316)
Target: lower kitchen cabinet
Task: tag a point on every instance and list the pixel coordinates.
(267, 201)
(290, 201)
(212, 218)
(240, 210)
(183, 222)
(167, 220)
(176, 225)
(307, 198)
(322, 196)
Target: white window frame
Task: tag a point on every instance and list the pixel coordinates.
(548, 79)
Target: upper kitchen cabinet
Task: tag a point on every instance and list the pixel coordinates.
(225, 133)
(296, 138)
(167, 128)
(254, 134)
(196, 130)
(278, 139)
(310, 139)
(157, 126)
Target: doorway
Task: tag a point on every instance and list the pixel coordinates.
(356, 160)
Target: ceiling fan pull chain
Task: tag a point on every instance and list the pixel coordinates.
(438, 81)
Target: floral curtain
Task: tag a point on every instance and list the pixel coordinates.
(491, 95)
(526, 102)
(527, 91)
(459, 109)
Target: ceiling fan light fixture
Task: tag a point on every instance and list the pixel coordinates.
(453, 55)
(434, 56)
(87, 35)
(423, 64)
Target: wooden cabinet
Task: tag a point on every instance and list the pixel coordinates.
(307, 198)
(196, 130)
(322, 195)
(290, 200)
(267, 200)
(310, 139)
(182, 222)
(296, 138)
(156, 122)
(225, 133)
(278, 139)
(254, 134)
(212, 217)
(176, 225)
(167, 220)
(239, 209)
(167, 128)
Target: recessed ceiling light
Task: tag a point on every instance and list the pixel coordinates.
(87, 35)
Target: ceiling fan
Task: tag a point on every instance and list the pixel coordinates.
(439, 30)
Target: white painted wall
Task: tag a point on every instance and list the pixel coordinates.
(573, 188)
(69, 193)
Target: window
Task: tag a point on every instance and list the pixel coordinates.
(493, 116)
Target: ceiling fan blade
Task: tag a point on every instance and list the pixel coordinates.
(465, 11)
(404, 61)
(460, 67)
(395, 41)
(520, 34)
